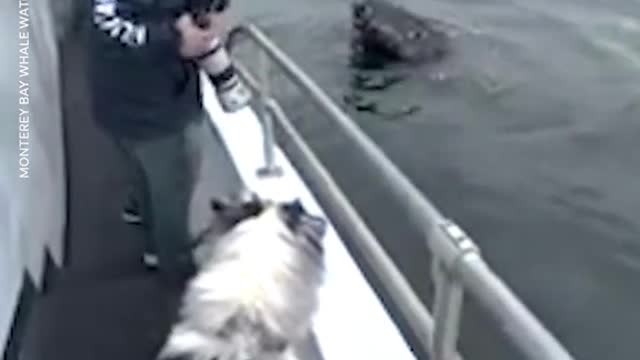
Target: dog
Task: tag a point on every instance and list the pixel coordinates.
(256, 288)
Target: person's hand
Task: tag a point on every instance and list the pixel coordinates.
(196, 40)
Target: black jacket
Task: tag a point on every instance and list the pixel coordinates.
(141, 86)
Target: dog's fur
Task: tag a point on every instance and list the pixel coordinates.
(256, 290)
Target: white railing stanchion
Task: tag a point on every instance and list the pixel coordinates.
(447, 309)
(270, 168)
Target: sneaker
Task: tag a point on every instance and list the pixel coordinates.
(131, 216)
(150, 260)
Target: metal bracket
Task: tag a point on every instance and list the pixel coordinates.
(457, 247)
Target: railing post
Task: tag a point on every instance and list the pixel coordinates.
(270, 168)
(448, 289)
(447, 309)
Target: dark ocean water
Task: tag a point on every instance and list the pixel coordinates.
(528, 137)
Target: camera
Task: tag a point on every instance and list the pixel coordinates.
(232, 93)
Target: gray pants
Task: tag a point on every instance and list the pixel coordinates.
(174, 178)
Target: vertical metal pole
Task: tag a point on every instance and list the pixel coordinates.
(446, 313)
(270, 168)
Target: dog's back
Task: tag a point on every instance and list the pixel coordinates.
(255, 294)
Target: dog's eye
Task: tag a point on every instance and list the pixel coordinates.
(218, 205)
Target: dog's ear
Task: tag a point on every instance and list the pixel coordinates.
(241, 199)
(232, 212)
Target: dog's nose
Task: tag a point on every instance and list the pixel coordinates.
(294, 209)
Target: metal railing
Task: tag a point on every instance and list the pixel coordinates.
(457, 265)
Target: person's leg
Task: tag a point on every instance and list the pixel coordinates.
(179, 175)
(132, 205)
(135, 207)
(169, 171)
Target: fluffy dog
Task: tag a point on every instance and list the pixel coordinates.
(255, 293)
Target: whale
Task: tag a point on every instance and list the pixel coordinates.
(384, 33)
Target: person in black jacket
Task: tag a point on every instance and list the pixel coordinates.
(145, 89)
